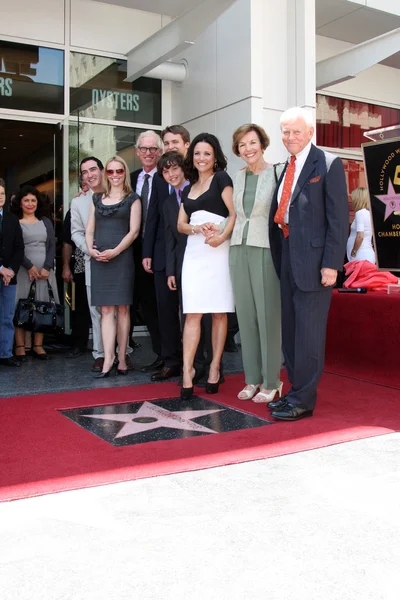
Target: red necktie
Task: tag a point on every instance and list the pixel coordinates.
(285, 198)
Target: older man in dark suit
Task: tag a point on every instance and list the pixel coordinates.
(308, 232)
(11, 255)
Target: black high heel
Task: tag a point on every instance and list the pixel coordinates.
(122, 371)
(212, 388)
(187, 392)
(42, 356)
(108, 373)
(21, 357)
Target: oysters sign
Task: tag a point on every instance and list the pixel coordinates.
(382, 167)
(117, 100)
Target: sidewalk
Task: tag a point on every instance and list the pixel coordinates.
(318, 525)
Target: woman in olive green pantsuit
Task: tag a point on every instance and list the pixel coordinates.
(255, 283)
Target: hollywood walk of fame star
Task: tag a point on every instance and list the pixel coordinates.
(150, 416)
(391, 200)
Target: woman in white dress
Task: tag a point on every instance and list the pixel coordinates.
(207, 217)
(359, 244)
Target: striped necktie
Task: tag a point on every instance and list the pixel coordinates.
(285, 197)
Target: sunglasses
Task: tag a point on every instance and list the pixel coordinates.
(117, 171)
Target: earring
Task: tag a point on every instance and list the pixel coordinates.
(215, 166)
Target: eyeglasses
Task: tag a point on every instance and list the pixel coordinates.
(145, 149)
(117, 171)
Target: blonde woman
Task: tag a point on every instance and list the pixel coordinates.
(255, 283)
(113, 225)
(359, 244)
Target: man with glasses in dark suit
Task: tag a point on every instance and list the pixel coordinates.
(149, 148)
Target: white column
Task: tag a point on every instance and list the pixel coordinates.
(283, 63)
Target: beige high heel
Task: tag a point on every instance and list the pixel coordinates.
(261, 397)
(249, 392)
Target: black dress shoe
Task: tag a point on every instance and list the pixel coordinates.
(277, 404)
(74, 353)
(154, 366)
(10, 362)
(165, 373)
(288, 412)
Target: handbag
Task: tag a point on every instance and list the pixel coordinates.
(38, 316)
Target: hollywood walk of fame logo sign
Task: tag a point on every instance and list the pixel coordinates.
(382, 168)
(161, 420)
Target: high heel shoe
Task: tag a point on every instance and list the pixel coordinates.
(261, 397)
(212, 388)
(122, 371)
(21, 357)
(187, 392)
(42, 356)
(108, 373)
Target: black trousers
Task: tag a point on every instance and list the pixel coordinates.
(145, 300)
(168, 321)
(80, 317)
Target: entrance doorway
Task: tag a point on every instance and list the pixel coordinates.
(31, 154)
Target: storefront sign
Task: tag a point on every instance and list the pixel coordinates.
(98, 90)
(382, 166)
(31, 78)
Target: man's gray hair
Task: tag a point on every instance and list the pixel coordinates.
(291, 114)
(153, 134)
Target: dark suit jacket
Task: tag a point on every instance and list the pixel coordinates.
(175, 242)
(137, 244)
(154, 235)
(318, 220)
(12, 250)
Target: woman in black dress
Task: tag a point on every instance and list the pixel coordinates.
(113, 225)
(207, 217)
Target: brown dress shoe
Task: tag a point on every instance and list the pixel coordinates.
(97, 366)
(129, 363)
(165, 373)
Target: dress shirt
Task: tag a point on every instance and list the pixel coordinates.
(177, 190)
(140, 181)
(301, 158)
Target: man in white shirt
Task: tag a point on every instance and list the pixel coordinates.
(309, 221)
(91, 170)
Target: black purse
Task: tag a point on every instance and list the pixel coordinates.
(37, 316)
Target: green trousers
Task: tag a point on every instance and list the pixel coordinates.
(258, 307)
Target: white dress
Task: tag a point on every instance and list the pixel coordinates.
(361, 222)
(206, 281)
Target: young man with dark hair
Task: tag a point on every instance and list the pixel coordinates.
(154, 261)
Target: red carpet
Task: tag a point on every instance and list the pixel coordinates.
(362, 337)
(41, 451)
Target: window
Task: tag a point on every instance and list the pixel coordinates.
(98, 90)
(31, 78)
(341, 123)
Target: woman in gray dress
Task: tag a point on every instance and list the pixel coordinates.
(113, 225)
(38, 262)
(255, 283)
